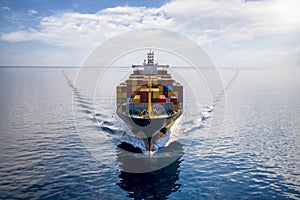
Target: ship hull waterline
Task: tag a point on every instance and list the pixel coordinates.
(149, 130)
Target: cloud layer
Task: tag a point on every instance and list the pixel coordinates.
(206, 21)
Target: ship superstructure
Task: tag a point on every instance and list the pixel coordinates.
(149, 101)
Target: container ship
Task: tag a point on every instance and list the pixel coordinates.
(149, 101)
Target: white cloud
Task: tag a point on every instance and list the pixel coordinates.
(80, 30)
(206, 21)
(6, 8)
(31, 12)
(230, 20)
(18, 36)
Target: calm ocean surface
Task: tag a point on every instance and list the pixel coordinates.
(256, 156)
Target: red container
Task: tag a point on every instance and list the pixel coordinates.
(162, 72)
(155, 100)
(173, 99)
(162, 98)
(144, 93)
(140, 82)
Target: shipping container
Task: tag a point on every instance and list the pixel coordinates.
(134, 88)
(130, 100)
(173, 99)
(155, 100)
(132, 81)
(162, 98)
(163, 72)
(155, 93)
(124, 107)
(175, 93)
(119, 101)
(144, 90)
(172, 94)
(165, 82)
(165, 88)
(123, 95)
(175, 106)
(144, 93)
(119, 89)
(137, 99)
(165, 94)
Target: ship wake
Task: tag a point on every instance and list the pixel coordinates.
(118, 132)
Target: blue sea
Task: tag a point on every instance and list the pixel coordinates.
(50, 146)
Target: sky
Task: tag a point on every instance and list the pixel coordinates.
(234, 33)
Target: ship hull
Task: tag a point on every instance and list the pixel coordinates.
(149, 130)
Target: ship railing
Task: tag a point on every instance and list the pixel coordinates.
(155, 65)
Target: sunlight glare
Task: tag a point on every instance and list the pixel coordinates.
(288, 12)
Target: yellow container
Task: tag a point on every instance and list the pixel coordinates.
(134, 82)
(161, 91)
(155, 95)
(170, 94)
(134, 88)
(137, 99)
(123, 95)
(175, 107)
(119, 88)
(119, 95)
(119, 101)
(160, 87)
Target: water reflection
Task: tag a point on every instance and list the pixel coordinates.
(158, 184)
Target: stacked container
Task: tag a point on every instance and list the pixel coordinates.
(133, 94)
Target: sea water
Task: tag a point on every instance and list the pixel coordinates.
(256, 155)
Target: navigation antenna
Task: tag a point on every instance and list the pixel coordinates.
(150, 57)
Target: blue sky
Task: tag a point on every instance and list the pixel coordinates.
(233, 32)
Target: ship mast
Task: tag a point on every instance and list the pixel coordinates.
(150, 60)
(150, 113)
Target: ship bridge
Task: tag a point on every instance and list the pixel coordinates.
(150, 67)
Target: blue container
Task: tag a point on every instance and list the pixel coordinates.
(165, 88)
(129, 99)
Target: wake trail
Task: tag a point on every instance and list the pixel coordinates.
(115, 129)
(120, 132)
(208, 110)
(221, 95)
